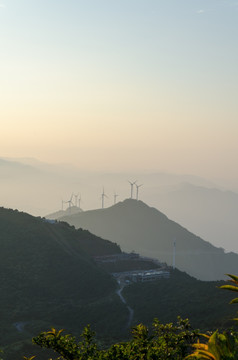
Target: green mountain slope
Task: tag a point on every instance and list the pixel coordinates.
(206, 306)
(48, 279)
(135, 226)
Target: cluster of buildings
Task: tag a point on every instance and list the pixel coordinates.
(132, 276)
(128, 277)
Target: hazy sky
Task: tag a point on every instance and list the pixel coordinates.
(121, 84)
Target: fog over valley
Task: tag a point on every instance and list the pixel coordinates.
(203, 207)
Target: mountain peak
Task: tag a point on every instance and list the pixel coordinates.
(136, 226)
(131, 202)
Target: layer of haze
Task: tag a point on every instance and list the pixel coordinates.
(124, 84)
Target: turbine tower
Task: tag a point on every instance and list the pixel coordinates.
(132, 184)
(115, 198)
(137, 190)
(70, 202)
(76, 199)
(174, 253)
(62, 204)
(103, 196)
(79, 201)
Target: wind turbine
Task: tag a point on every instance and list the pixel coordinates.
(115, 198)
(174, 253)
(103, 196)
(137, 190)
(132, 184)
(62, 204)
(79, 201)
(70, 202)
(76, 199)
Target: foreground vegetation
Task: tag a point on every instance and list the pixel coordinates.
(220, 346)
(167, 341)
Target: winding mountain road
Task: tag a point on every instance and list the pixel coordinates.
(130, 310)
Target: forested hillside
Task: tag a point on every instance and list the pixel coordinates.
(49, 279)
(202, 302)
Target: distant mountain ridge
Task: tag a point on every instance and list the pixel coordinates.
(198, 204)
(136, 226)
(61, 213)
(210, 212)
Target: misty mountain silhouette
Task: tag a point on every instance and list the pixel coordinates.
(59, 214)
(213, 215)
(15, 168)
(136, 226)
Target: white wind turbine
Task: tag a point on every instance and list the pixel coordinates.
(102, 197)
(115, 198)
(132, 184)
(79, 201)
(62, 204)
(70, 202)
(76, 199)
(174, 253)
(137, 190)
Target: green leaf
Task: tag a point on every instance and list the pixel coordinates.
(206, 355)
(233, 277)
(229, 287)
(234, 301)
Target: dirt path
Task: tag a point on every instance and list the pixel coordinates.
(130, 310)
(20, 326)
